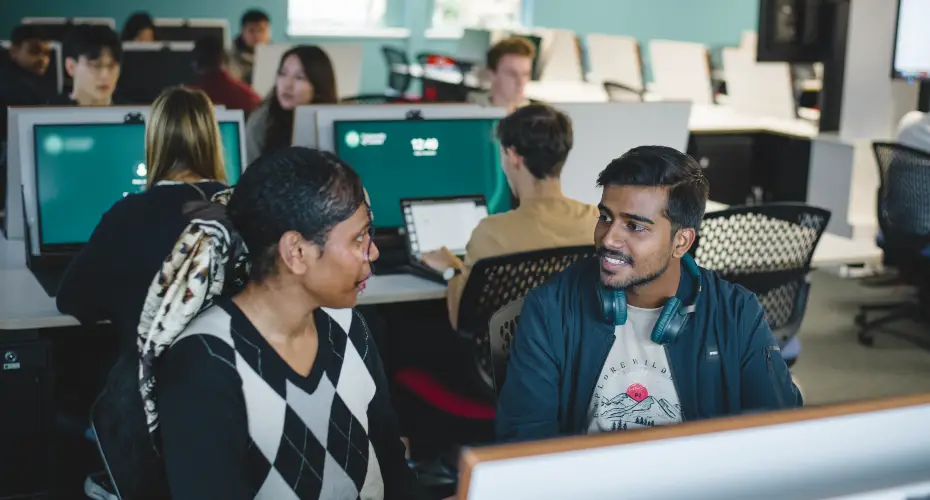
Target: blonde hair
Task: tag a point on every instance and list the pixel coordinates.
(182, 136)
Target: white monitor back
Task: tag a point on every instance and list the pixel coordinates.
(603, 132)
(615, 59)
(325, 116)
(681, 71)
(560, 59)
(106, 21)
(763, 88)
(54, 65)
(346, 59)
(473, 46)
(831, 457)
(26, 120)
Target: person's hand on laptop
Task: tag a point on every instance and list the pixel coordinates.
(441, 259)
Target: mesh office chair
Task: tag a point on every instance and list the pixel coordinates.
(502, 327)
(904, 222)
(398, 67)
(618, 92)
(767, 249)
(493, 282)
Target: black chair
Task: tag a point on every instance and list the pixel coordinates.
(374, 99)
(493, 283)
(502, 327)
(767, 249)
(398, 67)
(618, 92)
(904, 222)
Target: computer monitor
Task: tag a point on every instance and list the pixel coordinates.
(826, 452)
(416, 158)
(81, 170)
(911, 60)
(150, 67)
(190, 30)
(58, 28)
(426, 221)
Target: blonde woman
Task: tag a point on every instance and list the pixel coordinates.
(109, 278)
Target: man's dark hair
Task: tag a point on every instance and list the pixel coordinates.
(26, 32)
(292, 189)
(254, 16)
(209, 54)
(515, 45)
(90, 40)
(661, 166)
(541, 135)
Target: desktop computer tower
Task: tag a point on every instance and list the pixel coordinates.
(26, 420)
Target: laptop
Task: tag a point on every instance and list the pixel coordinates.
(433, 223)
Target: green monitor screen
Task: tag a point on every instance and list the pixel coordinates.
(83, 169)
(399, 159)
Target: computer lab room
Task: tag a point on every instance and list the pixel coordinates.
(465, 249)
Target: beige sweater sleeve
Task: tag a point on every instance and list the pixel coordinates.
(481, 245)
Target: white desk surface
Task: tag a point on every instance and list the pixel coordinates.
(25, 305)
(722, 119)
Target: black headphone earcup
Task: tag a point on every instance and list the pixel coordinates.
(669, 323)
(613, 305)
(619, 307)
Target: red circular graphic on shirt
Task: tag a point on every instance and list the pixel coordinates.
(637, 392)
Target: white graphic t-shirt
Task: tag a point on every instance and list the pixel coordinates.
(635, 388)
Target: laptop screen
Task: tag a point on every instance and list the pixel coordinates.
(83, 169)
(400, 159)
(435, 223)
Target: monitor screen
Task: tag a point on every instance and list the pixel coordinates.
(83, 169)
(911, 58)
(428, 227)
(423, 158)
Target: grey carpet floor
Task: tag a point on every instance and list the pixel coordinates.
(834, 367)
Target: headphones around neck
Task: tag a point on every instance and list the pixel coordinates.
(674, 316)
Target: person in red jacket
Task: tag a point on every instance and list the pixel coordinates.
(211, 63)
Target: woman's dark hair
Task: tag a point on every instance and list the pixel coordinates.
(293, 189)
(319, 71)
(136, 23)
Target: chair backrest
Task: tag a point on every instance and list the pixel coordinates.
(398, 68)
(903, 194)
(768, 249)
(502, 327)
(617, 92)
(497, 281)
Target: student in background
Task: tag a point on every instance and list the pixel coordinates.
(92, 59)
(305, 76)
(914, 131)
(22, 69)
(140, 27)
(211, 64)
(535, 142)
(254, 30)
(183, 154)
(510, 66)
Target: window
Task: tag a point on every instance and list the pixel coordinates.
(335, 17)
(452, 16)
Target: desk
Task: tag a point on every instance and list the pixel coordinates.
(25, 306)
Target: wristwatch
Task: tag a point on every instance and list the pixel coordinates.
(450, 273)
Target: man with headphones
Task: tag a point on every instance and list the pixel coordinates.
(640, 336)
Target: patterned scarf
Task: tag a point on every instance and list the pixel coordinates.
(193, 274)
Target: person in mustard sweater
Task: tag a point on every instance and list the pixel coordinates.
(535, 142)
